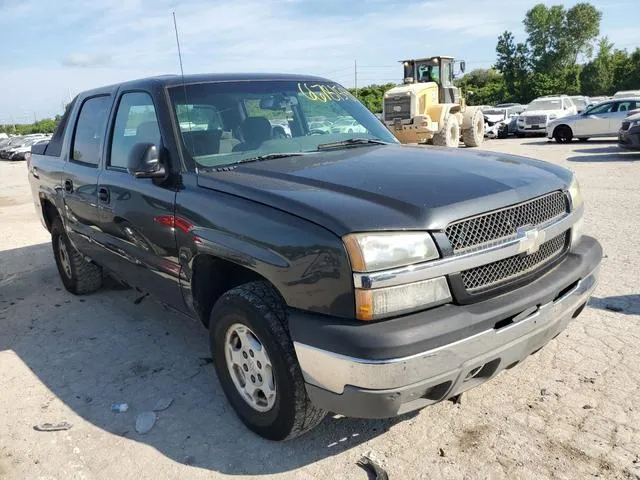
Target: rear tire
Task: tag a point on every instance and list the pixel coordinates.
(449, 135)
(563, 134)
(474, 135)
(258, 309)
(78, 275)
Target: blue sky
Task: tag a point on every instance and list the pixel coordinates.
(51, 49)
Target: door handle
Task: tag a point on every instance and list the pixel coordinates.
(103, 194)
(68, 186)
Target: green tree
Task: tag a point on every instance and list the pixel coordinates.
(371, 96)
(597, 75)
(513, 62)
(483, 87)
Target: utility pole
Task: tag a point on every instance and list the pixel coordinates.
(34, 117)
(355, 76)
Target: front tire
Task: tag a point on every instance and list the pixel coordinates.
(256, 363)
(78, 275)
(563, 134)
(449, 135)
(474, 135)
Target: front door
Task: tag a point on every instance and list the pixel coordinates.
(137, 215)
(80, 176)
(596, 122)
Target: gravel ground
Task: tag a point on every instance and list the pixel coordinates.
(570, 411)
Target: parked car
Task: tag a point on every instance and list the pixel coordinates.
(602, 120)
(501, 121)
(626, 94)
(347, 125)
(19, 144)
(629, 134)
(543, 110)
(324, 127)
(20, 153)
(581, 102)
(338, 272)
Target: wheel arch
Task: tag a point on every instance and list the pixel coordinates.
(561, 125)
(49, 212)
(212, 276)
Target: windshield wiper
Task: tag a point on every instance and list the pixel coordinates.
(259, 158)
(351, 142)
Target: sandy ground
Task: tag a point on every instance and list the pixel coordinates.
(570, 411)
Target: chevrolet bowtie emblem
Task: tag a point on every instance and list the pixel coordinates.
(530, 239)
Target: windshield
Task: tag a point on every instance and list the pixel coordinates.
(222, 123)
(544, 105)
(580, 102)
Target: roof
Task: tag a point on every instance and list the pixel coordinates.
(173, 80)
(427, 58)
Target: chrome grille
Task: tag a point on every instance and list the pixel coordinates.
(535, 119)
(397, 107)
(507, 269)
(501, 225)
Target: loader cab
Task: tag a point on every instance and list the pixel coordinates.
(434, 69)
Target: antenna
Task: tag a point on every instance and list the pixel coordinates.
(184, 86)
(175, 27)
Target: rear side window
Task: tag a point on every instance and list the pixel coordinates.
(90, 129)
(136, 122)
(54, 148)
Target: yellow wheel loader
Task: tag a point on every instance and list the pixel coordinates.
(428, 108)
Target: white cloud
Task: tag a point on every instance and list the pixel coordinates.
(86, 60)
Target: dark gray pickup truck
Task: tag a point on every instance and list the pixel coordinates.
(335, 269)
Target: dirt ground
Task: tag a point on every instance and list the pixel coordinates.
(571, 411)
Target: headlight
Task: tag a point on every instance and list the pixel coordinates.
(574, 194)
(370, 252)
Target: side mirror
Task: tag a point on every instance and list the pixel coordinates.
(463, 66)
(144, 161)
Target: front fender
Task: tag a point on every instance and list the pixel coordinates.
(306, 263)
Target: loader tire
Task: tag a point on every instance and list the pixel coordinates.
(473, 136)
(449, 135)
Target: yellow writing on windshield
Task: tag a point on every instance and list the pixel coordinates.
(323, 93)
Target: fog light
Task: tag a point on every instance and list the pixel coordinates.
(386, 302)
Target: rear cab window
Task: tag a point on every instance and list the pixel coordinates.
(54, 147)
(89, 130)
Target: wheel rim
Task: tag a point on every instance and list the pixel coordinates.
(249, 367)
(63, 254)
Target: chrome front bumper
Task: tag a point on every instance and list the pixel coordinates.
(457, 366)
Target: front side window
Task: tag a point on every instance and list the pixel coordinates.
(136, 122)
(89, 131)
(603, 108)
(223, 123)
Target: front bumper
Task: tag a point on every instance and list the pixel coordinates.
(629, 138)
(391, 367)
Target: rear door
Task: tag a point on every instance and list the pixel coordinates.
(621, 111)
(596, 121)
(80, 176)
(137, 215)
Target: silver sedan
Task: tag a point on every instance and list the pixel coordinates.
(602, 120)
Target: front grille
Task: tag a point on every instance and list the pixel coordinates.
(535, 119)
(501, 225)
(625, 125)
(397, 107)
(507, 269)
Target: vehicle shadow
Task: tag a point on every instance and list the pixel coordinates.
(613, 156)
(612, 148)
(117, 346)
(627, 304)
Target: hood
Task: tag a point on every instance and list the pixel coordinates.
(635, 116)
(389, 187)
(493, 118)
(529, 113)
